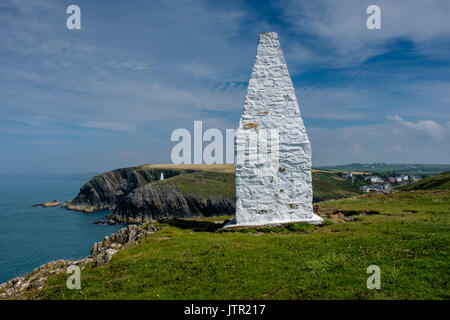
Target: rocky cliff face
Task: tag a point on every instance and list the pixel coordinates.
(156, 202)
(129, 193)
(103, 191)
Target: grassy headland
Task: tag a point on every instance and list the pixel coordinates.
(407, 235)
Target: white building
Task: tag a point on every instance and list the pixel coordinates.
(374, 179)
(404, 177)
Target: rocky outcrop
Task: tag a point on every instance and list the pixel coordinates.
(103, 251)
(52, 203)
(86, 208)
(18, 287)
(101, 254)
(106, 222)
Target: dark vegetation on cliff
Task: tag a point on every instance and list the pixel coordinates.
(137, 194)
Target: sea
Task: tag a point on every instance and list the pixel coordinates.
(32, 236)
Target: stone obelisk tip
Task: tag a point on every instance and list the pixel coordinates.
(268, 34)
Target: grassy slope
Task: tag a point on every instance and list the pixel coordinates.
(411, 248)
(205, 183)
(219, 180)
(329, 185)
(437, 182)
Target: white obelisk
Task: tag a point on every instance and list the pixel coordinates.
(273, 153)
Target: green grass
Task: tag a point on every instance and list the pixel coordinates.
(204, 183)
(437, 182)
(409, 240)
(289, 227)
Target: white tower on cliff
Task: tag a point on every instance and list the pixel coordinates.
(273, 153)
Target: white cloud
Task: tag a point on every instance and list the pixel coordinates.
(31, 120)
(341, 25)
(428, 128)
(387, 142)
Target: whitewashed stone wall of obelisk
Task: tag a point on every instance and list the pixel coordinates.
(278, 190)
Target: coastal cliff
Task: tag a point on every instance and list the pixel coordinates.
(137, 195)
(150, 202)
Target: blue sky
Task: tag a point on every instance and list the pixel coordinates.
(110, 95)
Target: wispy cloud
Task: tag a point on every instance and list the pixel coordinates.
(386, 142)
(114, 126)
(31, 120)
(428, 128)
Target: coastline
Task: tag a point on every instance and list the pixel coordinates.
(100, 254)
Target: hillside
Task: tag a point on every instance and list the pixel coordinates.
(405, 234)
(330, 185)
(438, 182)
(397, 168)
(136, 194)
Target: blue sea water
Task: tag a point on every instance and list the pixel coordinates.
(32, 236)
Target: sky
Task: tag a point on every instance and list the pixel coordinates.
(110, 95)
